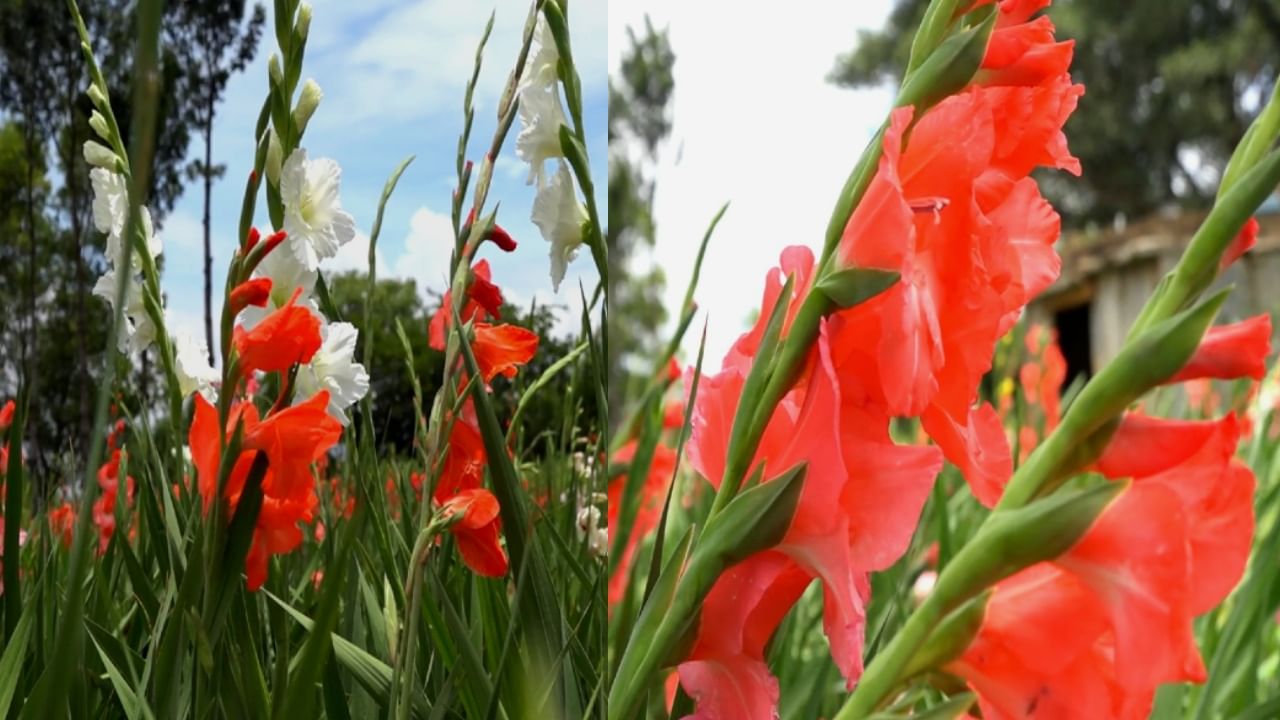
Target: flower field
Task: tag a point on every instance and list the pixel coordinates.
(961, 460)
(241, 547)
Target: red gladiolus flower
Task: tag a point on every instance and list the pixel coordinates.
(503, 349)
(972, 239)
(284, 338)
(648, 512)
(1023, 51)
(860, 502)
(292, 439)
(104, 508)
(62, 522)
(673, 370)
(464, 461)
(250, 292)
(276, 533)
(1233, 351)
(484, 300)
(477, 532)
(6, 416)
(725, 672)
(1243, 242)
(1095, 632)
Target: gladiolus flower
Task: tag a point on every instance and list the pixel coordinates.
(313, 216)
(288, 277)
(503, 349)
(972, 240)
(276, 533)
(292, 439)
(1233, 351)
(1243, 242)
(287, 336)
(62, 522)
(194, 372)
(860, 502)
(560, 217)
(334, 368)
(484, 300)
(648, 511)
(495, 234)
(6, 415)
(1022, 51)
(477, 531)
(464, 461)
(1095, 632)
(254, 292)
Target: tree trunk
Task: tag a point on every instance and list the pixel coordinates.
(77, 260)
(31, 342)
(208, 195)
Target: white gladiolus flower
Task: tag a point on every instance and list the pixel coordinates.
(542, 69)
(138, 331)
(195, 374)
(599, 545)
(115, 248)
(111, 211)
(110, 200)
(333, 368)
(560, 216)
(541, 116)
(287, 274)
(313, 215)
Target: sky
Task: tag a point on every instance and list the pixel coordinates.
(393, 74)
(756, 124)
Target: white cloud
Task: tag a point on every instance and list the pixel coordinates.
(427, 250)
(355, 256)
(770, 135)
(416, 57)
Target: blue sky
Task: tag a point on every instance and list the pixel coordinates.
(393, 74)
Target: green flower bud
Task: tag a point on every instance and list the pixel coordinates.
(99, 155)
(304, 21)
(99, 125)
(98, 98)
(308, 101)
(274, 71)
(275, 158)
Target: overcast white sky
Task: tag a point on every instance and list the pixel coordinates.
(756, 124)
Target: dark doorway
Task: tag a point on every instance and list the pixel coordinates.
(1073, 337)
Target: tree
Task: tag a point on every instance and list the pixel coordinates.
(215, 42)
(639, 119)
(50, 251)
(1171, 85)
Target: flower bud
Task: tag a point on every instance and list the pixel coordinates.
(304, 21)
(273, 70)
(99, 125)
(275, 158)
(99, 155)
(308, 101)
(254, 292)
(97, 97)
